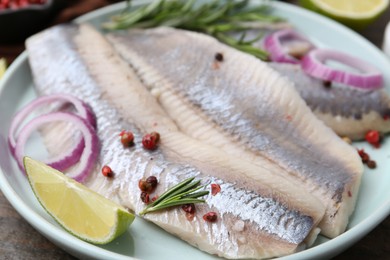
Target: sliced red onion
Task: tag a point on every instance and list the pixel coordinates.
(368, 77)
(68, 158)
(82, 109)
(88, 155)
(286, 45)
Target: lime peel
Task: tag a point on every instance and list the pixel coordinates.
(3, 67)
(356, 14)
(83, 212)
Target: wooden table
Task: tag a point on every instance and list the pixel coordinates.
(18, 240)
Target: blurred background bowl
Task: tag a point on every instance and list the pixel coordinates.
(17, 24)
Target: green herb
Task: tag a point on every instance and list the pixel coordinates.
(217, 18)
(183, 193)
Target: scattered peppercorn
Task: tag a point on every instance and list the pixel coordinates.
(215, 189)
(143, 186)
(150, 141)
(373, 137)
(371, 164)
(210, 217)
(327, 84)
(219, 56)
(127, 138)
(148, 185)
(152, 180)
(349, 193)
(145, 197)
(106, 171)
(363, 155)
(366, 159)
(189, 208)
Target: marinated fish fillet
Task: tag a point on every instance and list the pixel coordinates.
(349, 112)
(234, 101)
(260, 215)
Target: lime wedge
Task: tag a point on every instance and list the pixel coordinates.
(3, 67)
(81, 211)
(356, 14)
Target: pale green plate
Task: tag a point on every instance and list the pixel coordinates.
(146, 241)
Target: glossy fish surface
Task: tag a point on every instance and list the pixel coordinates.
(234, 101)
(260, 215)
(349, 112)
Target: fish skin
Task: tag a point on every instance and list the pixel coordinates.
(196, 90)
(257, 218)
(349, 112)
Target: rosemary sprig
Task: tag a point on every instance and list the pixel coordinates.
(216, 18)
(183, 193)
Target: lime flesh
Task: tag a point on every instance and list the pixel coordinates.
(79, 210)
(356, 14)
(3, 67)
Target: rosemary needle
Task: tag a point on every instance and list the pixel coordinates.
(185, 192)
(219, 19)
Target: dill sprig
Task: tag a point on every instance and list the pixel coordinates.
(185, 192)
(217, 18)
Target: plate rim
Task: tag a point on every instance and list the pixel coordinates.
(53, 233)
(78, 247)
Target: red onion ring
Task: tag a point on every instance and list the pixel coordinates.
(273, 44)
(369, 77)
(69, 158)
(89, 154)
(82, 109)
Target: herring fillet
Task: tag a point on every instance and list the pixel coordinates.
(258, 218)
(349, 112)
(245, 108)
